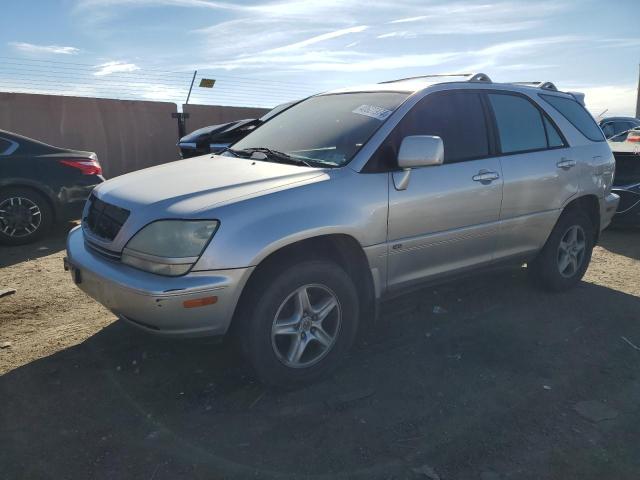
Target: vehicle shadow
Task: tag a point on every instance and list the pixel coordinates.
(463, 371)
(624, 242)
(53, 242)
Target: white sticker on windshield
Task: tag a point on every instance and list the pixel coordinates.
(372, 111)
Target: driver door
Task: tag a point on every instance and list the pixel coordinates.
(446, 219)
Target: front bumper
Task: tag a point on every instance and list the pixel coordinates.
(153, 302)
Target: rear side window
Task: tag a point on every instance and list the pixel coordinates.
(555, 140)
(519, 124)
(577, 115)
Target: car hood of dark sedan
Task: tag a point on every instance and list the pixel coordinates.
(186, 187)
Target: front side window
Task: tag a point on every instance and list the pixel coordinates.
(519, 124)
(608, 130)
(577, 115)
(456, 117)
(327, 130)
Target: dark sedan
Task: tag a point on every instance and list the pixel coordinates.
(216, 138)
(41, 184)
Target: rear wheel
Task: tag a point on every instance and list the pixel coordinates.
(565, 257)
(25, 216)
(299, 322)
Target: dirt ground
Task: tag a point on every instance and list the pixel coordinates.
(505, 382)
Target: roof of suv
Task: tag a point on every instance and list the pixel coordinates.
(416, 84)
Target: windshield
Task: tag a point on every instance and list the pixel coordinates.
(328, 129)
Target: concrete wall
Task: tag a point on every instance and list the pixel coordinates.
(126, 135)
(204, 115)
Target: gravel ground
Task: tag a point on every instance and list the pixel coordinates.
(506, 383)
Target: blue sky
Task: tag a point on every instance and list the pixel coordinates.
(264, 52)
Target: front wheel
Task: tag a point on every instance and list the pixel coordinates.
(565, 257)
(299, 322)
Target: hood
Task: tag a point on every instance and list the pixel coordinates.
(186, 187)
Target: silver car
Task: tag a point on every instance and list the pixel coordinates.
(291, 238)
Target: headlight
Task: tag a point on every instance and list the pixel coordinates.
(169, 247)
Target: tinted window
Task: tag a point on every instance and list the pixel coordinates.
(577, 116)
(326, 129)
(608, 130)
(619, 127)
(4, 145)
(555, 140)
(519, 124)
(456, 117)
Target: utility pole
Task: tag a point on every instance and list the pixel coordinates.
(182, 116)
(638, 95)
(191, 87)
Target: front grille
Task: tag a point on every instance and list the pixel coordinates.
(104, 252)
(104, 220)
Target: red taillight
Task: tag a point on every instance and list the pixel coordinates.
(87, 166)
(633, 138)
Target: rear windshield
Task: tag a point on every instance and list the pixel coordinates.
(577, 116)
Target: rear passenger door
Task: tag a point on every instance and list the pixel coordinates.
(447, 217)
(538, 171)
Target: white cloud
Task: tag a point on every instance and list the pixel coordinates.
(620, 43)
(616, 99)
(105, 4)
(401, 34)
(320, 38)
(410, 19)
(115, 67)
(46, 49)
(381, 63)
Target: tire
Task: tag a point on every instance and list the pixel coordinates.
(25, 216)
(273, 322)
(550, 270)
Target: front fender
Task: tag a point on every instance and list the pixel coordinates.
(349, 203)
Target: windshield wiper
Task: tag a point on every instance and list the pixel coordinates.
(274, 155)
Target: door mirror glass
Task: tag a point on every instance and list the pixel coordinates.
(420, 151)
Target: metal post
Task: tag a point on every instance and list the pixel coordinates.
(191, 87)
(638, 96)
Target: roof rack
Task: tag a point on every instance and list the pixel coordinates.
(473, 77)
(542, 85)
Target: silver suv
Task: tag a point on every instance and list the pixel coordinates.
(292, 237)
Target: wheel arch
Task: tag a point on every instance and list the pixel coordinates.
(590, 205)
(343, 249)
(37, 188)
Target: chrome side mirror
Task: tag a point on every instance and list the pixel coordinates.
(420, 151)
(417, 151)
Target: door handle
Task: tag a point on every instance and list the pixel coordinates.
(485, 176)
(566, 164)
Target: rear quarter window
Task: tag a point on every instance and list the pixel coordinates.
(577, 115)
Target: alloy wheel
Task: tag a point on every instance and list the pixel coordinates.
(306, 326)
(571, 251)
(19, 217)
